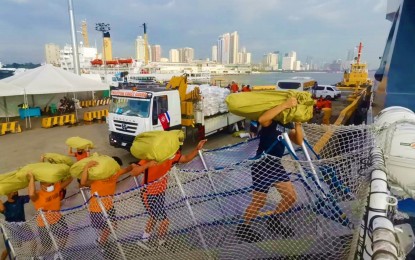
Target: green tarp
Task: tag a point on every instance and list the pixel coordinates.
(44, 172)
(10, 183)
(157, 145)
(106, 167)
(79, 143)
(57, 158)
(253, 104)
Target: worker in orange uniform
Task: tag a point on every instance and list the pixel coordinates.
(246, 88)
(79, 154)
(48, 200)
(153, 195)
(326, 108)
(234, 87)
(105, 189)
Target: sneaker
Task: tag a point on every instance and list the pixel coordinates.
(245, 232)
(274, 225)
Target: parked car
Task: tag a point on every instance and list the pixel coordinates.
(325, 91)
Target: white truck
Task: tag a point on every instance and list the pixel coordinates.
(133, 111)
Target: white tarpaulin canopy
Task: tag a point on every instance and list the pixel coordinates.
(45, 82)
(9, 89)
(48, 79)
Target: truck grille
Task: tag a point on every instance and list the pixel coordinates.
(127, 127)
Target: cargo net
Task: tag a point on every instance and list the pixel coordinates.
(302, 209)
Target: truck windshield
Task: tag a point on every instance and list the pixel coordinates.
(130, 107)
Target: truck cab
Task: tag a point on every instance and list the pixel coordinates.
(138, 108)
(135, 111)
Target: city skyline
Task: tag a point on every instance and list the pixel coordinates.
(321, 29)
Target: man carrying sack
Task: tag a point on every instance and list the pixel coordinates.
(153, 196)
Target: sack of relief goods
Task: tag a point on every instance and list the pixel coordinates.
(157, 145)
(77, 142)
(57, 158)
(10, 183)
(44, 172)
(105, 168)
(253, 104)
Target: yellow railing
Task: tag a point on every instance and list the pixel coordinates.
(99, 115)
(344, 116)
(12, 127)
(94, 102)
(48, 122)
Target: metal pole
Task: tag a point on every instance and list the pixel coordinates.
(6, 240)
(210, 178)
(189, 207)
(307, 155)
(136, 182)
(50, 233)
(74, 41)
(104, 212)
(82, 190)
(76, 110)
(104, 59)
(214, 190)
(6, 110)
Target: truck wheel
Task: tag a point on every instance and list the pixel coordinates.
(328, 97)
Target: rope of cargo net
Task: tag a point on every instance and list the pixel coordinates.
(324, 196)
(205, 208)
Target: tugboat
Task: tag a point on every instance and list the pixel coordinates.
(357, 76)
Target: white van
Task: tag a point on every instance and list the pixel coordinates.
(325, 91)
(296, 83)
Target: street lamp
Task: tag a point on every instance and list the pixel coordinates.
(104, 28)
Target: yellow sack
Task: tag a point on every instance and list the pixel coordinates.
(253, 104)
(106, 167)
(10, 183)
(77, 142)
(57, 158)
(157, 145)
(44, 172)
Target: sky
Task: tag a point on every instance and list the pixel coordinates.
(322, 29)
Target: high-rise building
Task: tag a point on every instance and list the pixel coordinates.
(244, 57)
(297, 65)
(140, 48)
(270, 61)
(174, 55)
(288, 63)
(292, 54)
(233, 48)
(155, 53)
(214, 53)
(186, 55)
(279, 59)
(52, 53)
(247, 58)
(224, 48)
